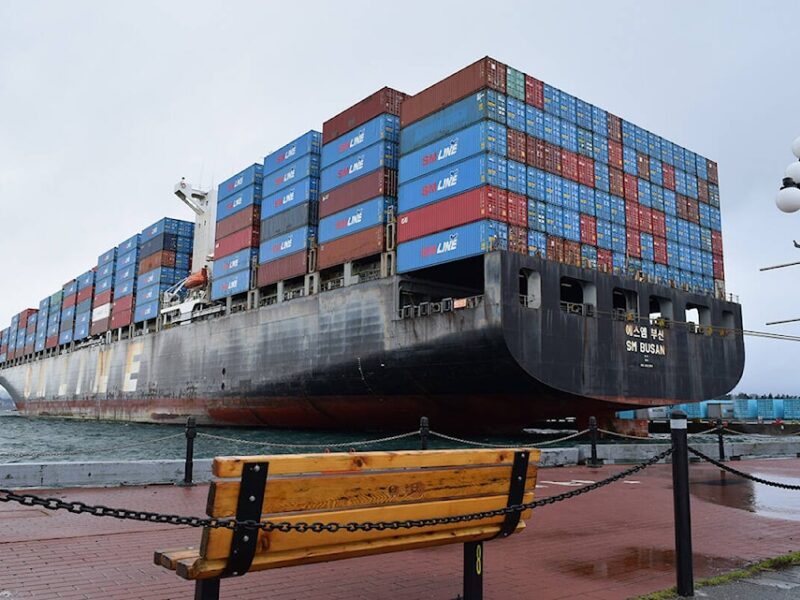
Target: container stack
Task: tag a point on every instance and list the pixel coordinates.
(290, 211)
(103, 292)
(30, 333)
(68, 306)
(12, 338)
(126, 269)
(41, 324)
(358, 182)
(54, 320)
(164, 259)
(4, 345)
(462, 173)
(83, 306)
(237, 233)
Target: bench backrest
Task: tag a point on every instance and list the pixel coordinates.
(361, 487)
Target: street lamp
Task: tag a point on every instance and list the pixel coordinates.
(788, 198)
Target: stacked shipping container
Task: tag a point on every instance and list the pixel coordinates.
(103, 292)
(83, 306)
(165, 253)
(358, 183)
(126, 274)
(238, 229)
(69, 301)
(290, 211)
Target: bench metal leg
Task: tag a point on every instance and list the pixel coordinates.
(206, 589)
(473, 571)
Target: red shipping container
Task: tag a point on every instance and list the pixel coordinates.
(382, 182)
(634, 243)
(588, 230)
(534, 152)
(585, 170)
(716, 242)
(84, 294)
(702, 190)
(632, 215)
(569, 165)
(121, 318)
(101, 326)
(247, 217)
(659, 223)
(645, 219)
(485, 73)
(385, 100)
(616, 182)
(246, 238)
(480, 203)
(572, 253)
(693, 210)
(163, 258)
(287, 267)
(555, 248)
(605, 260)
(552, 158)
(124, 303)
(103, 298)
(65, 303)
(631, 187)
(719, 267)
(534, 92)
(660, 249)
(518, 239)
(516, 141)
(615, 154)
(517, 210)
(643, 165)
(668, 176)
(51, 342)
(614, 128)
(681, 206)
(713, 174)
(351, 247)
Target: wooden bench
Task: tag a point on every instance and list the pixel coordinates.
(354, 487)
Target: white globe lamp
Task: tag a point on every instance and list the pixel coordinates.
(793, 171)
(788, 199)
(796, 147)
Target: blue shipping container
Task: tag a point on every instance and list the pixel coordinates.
(165, 225)
(106, 270)
(384, 127)
(124, 288)
(159, 275)
(481, 169)
(483, 136)
(285, 244)
(769, 409)
(745, 410)
(305, 190)
(107, 257)
(251, 175)
(230, 285)
(132, 243)
(233, 263)
(308, 143)
(65, 337)
(354, 219)
(126, 274)
(380, 155)
(453, 244)
(486, 104)
(242, 199)
(86, 280)
(306, 166)
(145, 312)
(150, 293)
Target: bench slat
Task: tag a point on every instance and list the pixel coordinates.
(282, 464)
(206, 569)
(169, 558)
(216, 543)
(317, 492)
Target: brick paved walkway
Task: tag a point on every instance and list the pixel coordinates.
(610, 544)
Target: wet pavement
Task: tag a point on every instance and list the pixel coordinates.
(770, 585)
(613, 543)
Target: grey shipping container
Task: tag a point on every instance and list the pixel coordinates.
(289, 220)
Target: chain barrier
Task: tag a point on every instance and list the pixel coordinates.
(742, 474)
(706, 432)
(488, 445)
(77, 507)
(311, 446)
(622, 435)
(93, 450)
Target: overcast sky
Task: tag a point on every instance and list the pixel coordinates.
(105, 105)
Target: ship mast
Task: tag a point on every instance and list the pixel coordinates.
(204, 205)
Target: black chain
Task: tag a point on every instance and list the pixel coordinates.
(284, 526)
(742, 474)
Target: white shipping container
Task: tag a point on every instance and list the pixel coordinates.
(101, 312)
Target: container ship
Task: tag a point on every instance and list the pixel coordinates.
(490, 252)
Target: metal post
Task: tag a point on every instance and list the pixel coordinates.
(473, 571)
(206, 589)
(680, 492)
(191, 433)
(593, 462)
(720, 443)
(424, 430)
